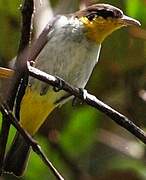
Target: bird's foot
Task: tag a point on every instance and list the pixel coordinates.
(83, 94)
(60, 84)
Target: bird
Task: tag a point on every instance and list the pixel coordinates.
(71, 52)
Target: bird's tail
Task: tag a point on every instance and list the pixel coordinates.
(17, 156)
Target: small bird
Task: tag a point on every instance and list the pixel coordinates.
(71, 52)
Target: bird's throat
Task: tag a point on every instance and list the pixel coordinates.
(98, 30)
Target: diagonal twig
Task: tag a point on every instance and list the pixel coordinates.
(90, 100)
(27, 11)
(19, 80)
(36, 148)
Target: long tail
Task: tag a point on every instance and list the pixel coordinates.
(17, 156)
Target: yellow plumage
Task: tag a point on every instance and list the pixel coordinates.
(99, 28)
(35, 109)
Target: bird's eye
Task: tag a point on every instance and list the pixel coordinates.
(91, 16)
(106, 13)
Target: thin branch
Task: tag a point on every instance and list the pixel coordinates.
(19, 80)
(70, 162)
(36, 148)
(27, 11)
(90, 100)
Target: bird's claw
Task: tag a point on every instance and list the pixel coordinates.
(83, 94)
(60, 84)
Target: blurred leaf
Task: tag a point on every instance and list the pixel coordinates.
(136, 9)
(9, 18)
(133, 8)
(54, 2)
(79, 134)
(9, 8)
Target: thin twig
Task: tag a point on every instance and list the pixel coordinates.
(19, 80)
(69, 161)
(90, 100)
(27, 11)
(36, 148)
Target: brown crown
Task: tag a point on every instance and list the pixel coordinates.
(103, 10)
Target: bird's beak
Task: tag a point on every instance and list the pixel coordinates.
(128, 21)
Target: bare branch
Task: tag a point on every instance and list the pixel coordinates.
(43, 14)
(36, 148)
(90, 100)
(27, 11)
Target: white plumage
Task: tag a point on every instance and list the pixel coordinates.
(68, 53)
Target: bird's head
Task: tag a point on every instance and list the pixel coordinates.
(100, 20)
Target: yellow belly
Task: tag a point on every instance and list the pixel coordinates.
(35, 109)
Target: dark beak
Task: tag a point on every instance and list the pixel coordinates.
(128, 21)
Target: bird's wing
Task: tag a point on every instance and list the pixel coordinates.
(41, 41)
(31, 53)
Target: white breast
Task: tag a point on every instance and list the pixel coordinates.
(68, 54)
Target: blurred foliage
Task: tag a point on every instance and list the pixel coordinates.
(126, 163)
(10, 22)
(72, 138)
(133, 9)
(82, 128)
